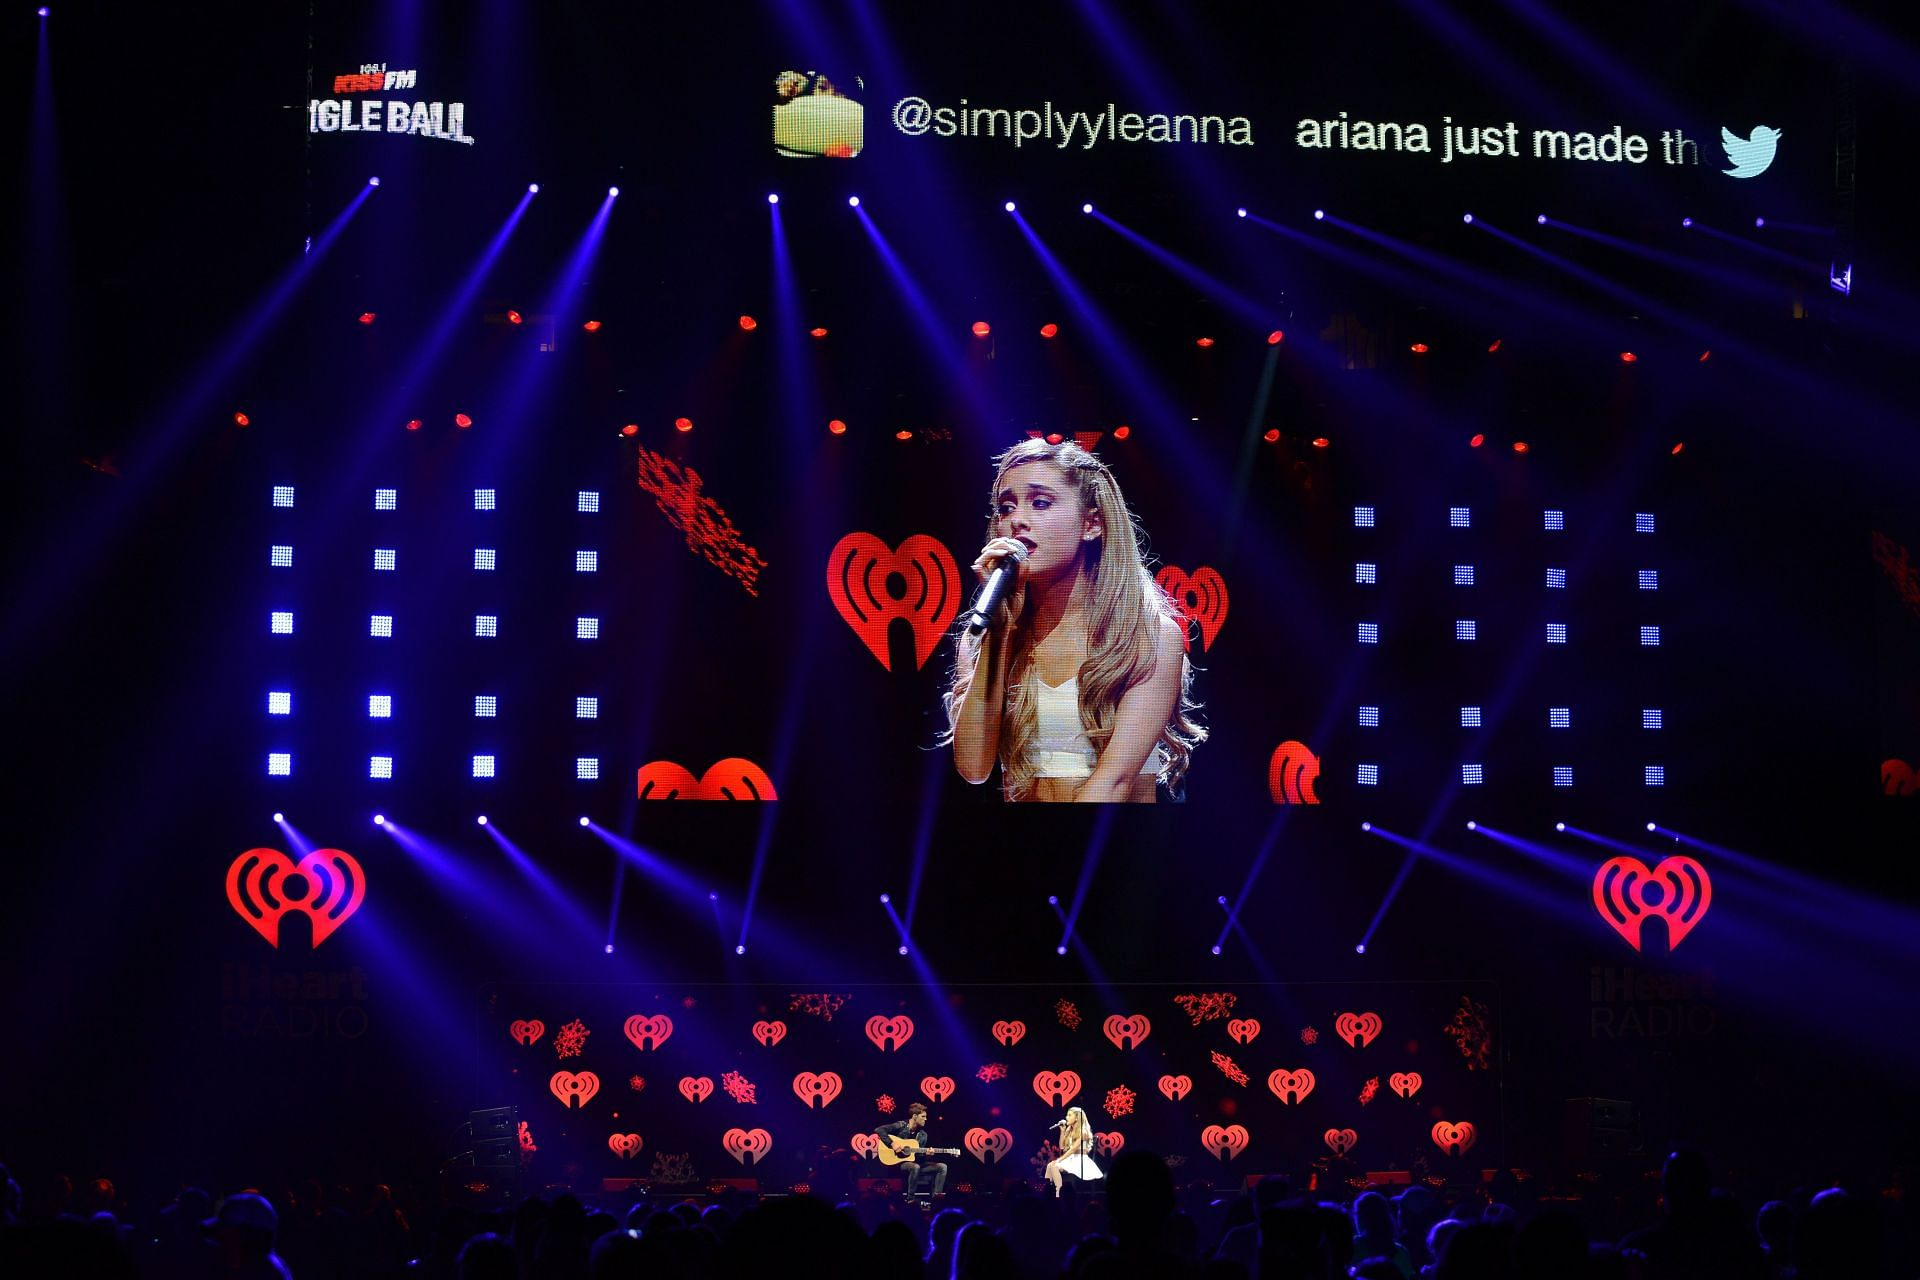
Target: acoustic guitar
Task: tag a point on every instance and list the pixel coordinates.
(903, 1150)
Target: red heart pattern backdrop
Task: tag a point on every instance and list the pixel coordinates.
(1291, 1086)
(1405, 1083)
(624, 1145)
(1176, 1087)
(864, 1144)
(1057, 1087)
(696, 1088)
(889, 1033)
(265, 885)
(1225, 1142)
(746, 1145)
(649, 1032)
(1201, 598)
(987, 1145)
(574, 1088)
(1357, 1029)
(1627, 894)
(817, 1087)
(526, 1030)
(937, 1088)
(1340, 1141)
(1108, 1145)
(770, 1033)
(1009, 1033)
(734, 778)
(858, 572)
(1243, 1030)
(1128, 1032)
(1292, 772)
(1454, 1139)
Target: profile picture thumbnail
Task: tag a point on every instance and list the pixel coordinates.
(814, 116)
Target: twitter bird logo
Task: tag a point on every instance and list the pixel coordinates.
(1749, 156)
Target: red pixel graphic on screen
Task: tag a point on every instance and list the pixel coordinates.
(735, 778)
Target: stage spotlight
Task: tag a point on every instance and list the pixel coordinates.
(373, 182)
(1541, 219)
(1122, 432)
(591, 326)
(1086, 208)
(713, 897)
(414, 424)
(631, 429)
(1321, 442)
(609, 948)
(42, 11)
(1271, 434)
(242, 420)
(1203, 343)
(1060, 950)
(1366, 826)
(514, 317)
(279, 817)
(1318, 214)
(1649, 826)
(1472, 826)
(1759, 222)
(853, 202)
(1627, 357)
(1686, 222)
(1216, 948)
(367, 317)
(482, 819)
(533, 188)
(586, 822)
(1678, 445)
(379, 819)
(1009, 208)
(837, 427)
(773, 197)
(740, 949)
(1706, 355)
(1054, 437)
(1049, 330)
(886, 897)
(1419, 348)
(903, 435)
(748, 324)
(683, 424)
(1275, 338)
(1360, 948)
(1477, 440)
(1222, 899)
(1467, 218)
(613, 191)
(1559, 826)
(1493, 346)
(462, 421)
(981, 328)
(1521, 446)
(1053, 899)
(1240, 213)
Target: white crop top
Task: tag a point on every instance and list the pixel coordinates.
(1061, 748)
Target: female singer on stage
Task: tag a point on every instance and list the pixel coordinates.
(1076, 1144)
(1080, 687)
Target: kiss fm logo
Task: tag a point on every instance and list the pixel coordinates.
(444, 120)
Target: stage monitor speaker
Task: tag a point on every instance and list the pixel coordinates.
(1599, 1131)
(494, 1122)
(496, 1153)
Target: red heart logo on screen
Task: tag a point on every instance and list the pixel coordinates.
(1200, 596)
(1057, 1087)
(1404, 1083)
(859, 571)
(1224, 1144)
(527, 1030)
(1340, 1141)
(1291, 773)
(822, 1088)
(987, 1145)
(735, 778)
(897, 1030)
(696, 1088)
(1243, 1030)
(744, 1143)
(1176, 1087)
(1291, 1086)
(1108, 1145)
(1357, 1029)
(1626, 894)
(649, 1033)
(1898, 778)
(769, 1033)
(1454, 1139)
(574, 1088)
(261, 887)
(1130, 1029)
(624, 1145)
(864, 1144)
(937, 1088)
(1009, 1033)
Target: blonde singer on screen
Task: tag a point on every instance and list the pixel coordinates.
(1076, 1147)
(1080, 689)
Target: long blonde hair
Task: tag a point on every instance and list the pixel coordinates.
(1124, 607)
(1077, 1132)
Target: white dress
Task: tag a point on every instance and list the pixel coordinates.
(1081, 1167)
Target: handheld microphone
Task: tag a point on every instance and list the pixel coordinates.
(1006, 571)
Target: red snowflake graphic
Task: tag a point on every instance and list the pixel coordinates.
(1229, 1068)
(992, 1071)
(819, 1004)
(1369, 1089)
(1068, 1013)
(1309, 1036)
(1207, 1006)
(885, 1104)
(570, 1040)
(526, 1142)
(1471, 1034)
(709, 532)
(636, 1083)
(738, 1087)
(1119, 1102)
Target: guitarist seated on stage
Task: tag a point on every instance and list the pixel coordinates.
(904, 1141)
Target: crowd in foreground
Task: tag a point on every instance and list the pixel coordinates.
(1138, 1226)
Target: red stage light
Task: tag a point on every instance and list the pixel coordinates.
(513, 317)
(818, 333)
(462, 421)
(631, 429)
(1627, 357)
(1122, 432)
(1049, 330)
(1677, 447)
(1321, 442)
(1705, 355)
(242, 420)
(749, 324)
(1273, 434)
(1520, 446)
(1495, 347)
(981, 328)
(414, 424)
(683, 424)
(1055, 437)
(903, 435)
(366, 317)
(1275, 338)
(1203, 343)
(1478, 440)
(1419, 348)
(591, 326)
(838, 427)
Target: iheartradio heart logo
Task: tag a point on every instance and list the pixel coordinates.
(696, 1088)
(1340, 1141)
(1224, 1144)
(326, 886)
(1291, 1086)
(987, 1145)
(574, 1088)
(822, 1088)
(744, 1143)
(1009, 1033)
(1108, 1145)
(1405, 1083)
(1243, 1030)
(1291, 773)
(889, 1033)
(1176, 1087)
(1627, 894)
(624, 1145)
(1357, 1029)
(770, 1033)
(859, 571)
(649, 1033)
(937, 1088)
(1898, 778)
(1057, 1087)
(526, 1030)
(1132, 1030)
(1200, 597)
(735, 778)
(864, 1144)
(1454, 1139)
